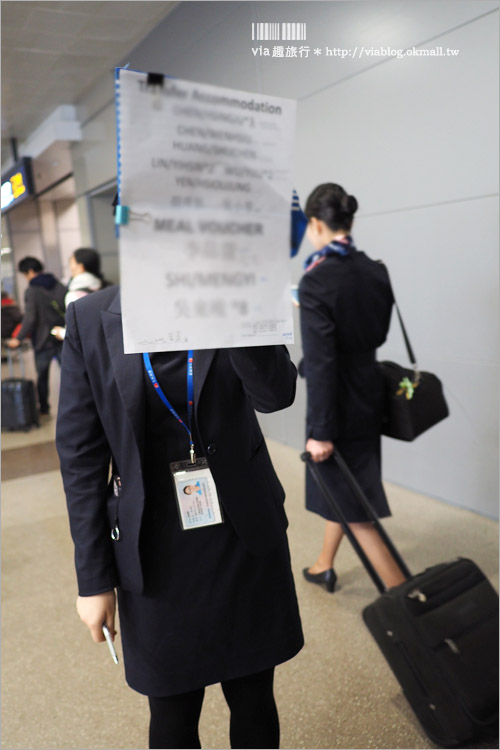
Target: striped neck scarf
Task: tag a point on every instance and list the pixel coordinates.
(340, 246)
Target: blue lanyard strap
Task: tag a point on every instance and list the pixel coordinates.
(190, 396)
(190, 388)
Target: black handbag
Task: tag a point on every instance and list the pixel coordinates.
(414, 400)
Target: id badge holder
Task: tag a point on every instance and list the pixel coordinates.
(197, 500)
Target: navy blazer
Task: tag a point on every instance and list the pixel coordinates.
(101, 419)
(345, 313)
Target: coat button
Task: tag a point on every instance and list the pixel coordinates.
(212, 448)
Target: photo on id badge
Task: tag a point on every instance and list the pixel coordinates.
(197, 499)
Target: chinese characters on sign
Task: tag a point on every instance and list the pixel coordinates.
(206, 174)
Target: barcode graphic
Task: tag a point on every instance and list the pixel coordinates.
(268, 31)
(293, 31)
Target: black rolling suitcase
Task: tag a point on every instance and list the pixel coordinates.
(19, 410)
(439, 633)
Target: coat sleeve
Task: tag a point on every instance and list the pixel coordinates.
(29, 318)
(319, 364)
(85, 456)
(268, 375)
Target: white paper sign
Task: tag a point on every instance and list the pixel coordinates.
(206, 174)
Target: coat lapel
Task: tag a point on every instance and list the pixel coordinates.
(128, 370)
(202, 359)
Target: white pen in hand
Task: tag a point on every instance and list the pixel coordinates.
(110, 643)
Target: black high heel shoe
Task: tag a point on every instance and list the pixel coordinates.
(327, 577)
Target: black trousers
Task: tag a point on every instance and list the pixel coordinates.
(254, 717)
(43, 358)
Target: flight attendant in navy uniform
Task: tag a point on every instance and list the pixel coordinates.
(345, 310)
(213, 603)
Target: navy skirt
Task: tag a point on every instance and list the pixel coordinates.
(363, 457)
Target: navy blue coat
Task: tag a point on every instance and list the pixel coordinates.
(101, 419)
(345, 313)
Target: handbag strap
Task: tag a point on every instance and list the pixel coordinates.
(409, 349)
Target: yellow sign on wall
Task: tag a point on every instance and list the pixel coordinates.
(17, 183)
(18, 186)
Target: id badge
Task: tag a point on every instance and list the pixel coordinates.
(196, 494)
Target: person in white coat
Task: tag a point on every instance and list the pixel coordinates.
(86, 277)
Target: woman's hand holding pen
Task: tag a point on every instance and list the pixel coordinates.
(96, 611)
(320, 450)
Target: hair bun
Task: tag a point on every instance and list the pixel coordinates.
(330, 203)
(349, 204)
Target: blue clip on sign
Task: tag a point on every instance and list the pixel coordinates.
(122, 215)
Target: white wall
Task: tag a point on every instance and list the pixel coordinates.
(68, 233)
(416, 140)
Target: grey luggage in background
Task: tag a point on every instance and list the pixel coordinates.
(19, 410)
(439, 633)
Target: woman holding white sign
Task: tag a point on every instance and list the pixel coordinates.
(203, 578)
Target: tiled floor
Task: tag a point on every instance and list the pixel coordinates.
(32, 459)
(60, 690)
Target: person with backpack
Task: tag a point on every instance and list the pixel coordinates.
(44, 308)
(86, 277)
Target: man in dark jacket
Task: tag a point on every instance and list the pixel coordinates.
(44, 309)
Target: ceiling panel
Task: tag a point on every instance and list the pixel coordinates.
(54, 22)
(53, 52)
(91, 47)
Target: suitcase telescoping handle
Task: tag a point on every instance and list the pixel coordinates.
(360, 495)
(20, 359)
